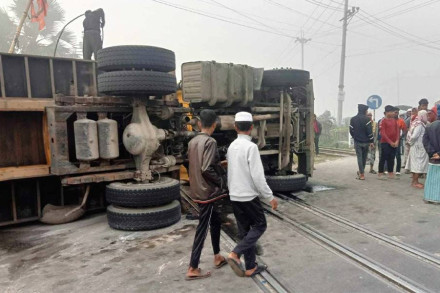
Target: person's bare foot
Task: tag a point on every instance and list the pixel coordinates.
(196, 273)
(249, 273)
(235, 257)
(418, 185)
(258, 269)
(219, 259)
(381, 176)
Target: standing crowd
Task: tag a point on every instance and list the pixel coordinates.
(415, 134)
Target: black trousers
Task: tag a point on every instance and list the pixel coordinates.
(399, 156)
(317, 144)
(388, 156)
(251, 224)
(209, 218)
(92, 42)
(362, 154)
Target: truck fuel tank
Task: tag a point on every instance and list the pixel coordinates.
(219, 84)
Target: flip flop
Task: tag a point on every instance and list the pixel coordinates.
(236, 267)
(204, 276)
(260, 268)
(221, 264)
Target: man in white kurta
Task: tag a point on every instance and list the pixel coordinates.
(246, 183)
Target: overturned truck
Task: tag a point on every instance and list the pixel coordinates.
(121, 126)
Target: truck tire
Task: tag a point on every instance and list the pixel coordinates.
(143, 194)
(137, 57)
(286, 183)
(143, 219)
(285, 78)
(136, 83)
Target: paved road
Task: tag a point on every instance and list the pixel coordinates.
(89, 256)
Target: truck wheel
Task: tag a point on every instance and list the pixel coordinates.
(285, 78)
(143, 194)
(286, 183)
(143, 219)
(137, 57)
(136, 83)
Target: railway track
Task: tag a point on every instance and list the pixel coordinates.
(266, 281)
(406, 248)
(369, 263)
(337, 152)
(381, 268)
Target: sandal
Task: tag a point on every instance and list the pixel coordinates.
(236, 267)
(259, 269)
(203, 276)
(360, 176)
(221, 264)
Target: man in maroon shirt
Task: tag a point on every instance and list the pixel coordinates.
(390, 135)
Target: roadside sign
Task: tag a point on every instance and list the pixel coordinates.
(374, 102)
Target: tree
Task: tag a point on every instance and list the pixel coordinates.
(328, 121)
(33, 41)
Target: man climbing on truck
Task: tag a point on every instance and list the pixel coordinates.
(92, 42)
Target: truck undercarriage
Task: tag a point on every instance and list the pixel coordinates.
(65, 123)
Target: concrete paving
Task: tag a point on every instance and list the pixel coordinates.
(391, 207)
(89, 256)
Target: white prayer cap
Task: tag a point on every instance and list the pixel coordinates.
(243, 117)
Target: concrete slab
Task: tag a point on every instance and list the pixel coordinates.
(89, 256)
(391, 207)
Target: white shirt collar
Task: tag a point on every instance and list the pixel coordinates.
(244, 136)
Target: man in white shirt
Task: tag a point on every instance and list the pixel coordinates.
(246, 182)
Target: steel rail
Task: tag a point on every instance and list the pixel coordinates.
(411, 250)
(333, 151)
(264, 280)
(370, 265)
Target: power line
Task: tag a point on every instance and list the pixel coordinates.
(248, 17)
(218, 18)
(324, 5)
(289, 52)
(209, 2)
(284, 7)
(327, 20)
(310, 15)
(302, 41)
(410, 9)
(400, 12)
(398, 32)
(325, 56)
(392, 48)
(400, 5)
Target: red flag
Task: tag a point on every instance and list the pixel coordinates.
(42, 12)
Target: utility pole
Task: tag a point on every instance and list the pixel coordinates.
(348, 14)
(302, 41)
(398, 88)
(20, 26)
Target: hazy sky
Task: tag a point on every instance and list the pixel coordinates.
(401, 65)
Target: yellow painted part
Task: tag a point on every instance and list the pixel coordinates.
(185, 105)
(183, 173)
